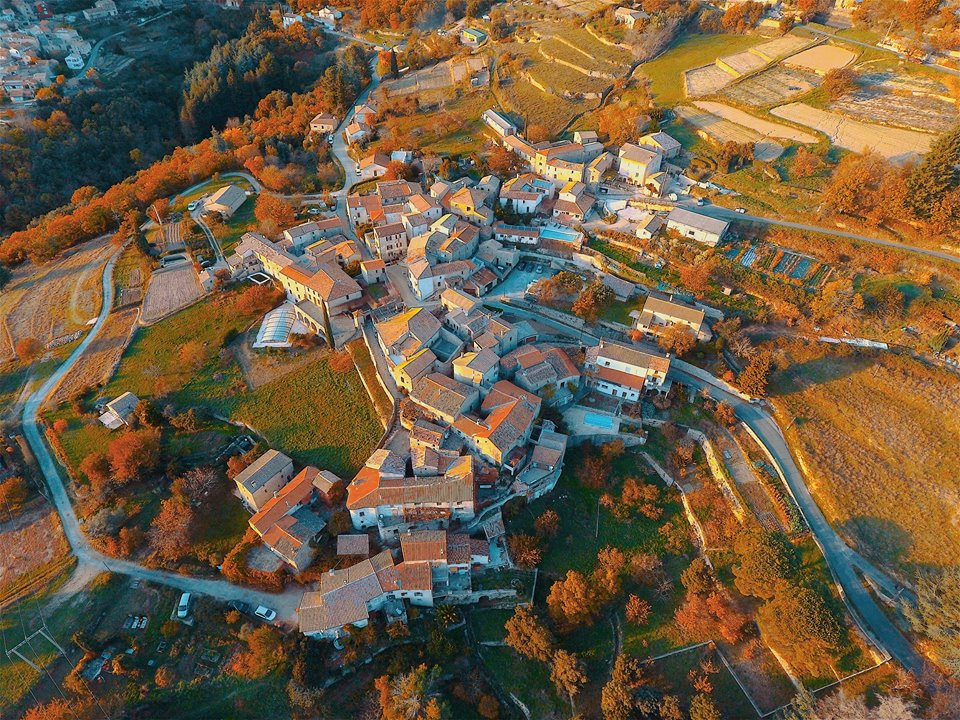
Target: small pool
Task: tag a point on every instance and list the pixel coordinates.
(601, 421)
(559, 234)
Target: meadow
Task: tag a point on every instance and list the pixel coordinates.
(878, 437)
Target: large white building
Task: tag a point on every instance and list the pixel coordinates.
(624, 372)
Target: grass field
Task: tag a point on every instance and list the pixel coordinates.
(456, 131)
(878, 436)
(690, 51)
(302, 412)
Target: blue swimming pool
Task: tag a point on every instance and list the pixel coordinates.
(560, 234)
(601, 421)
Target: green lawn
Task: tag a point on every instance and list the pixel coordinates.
(672, 675)
(576, 545)
(241, 222)
(528, 679)
(302, 413)
(691, 50)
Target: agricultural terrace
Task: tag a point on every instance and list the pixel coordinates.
(893, 495)
(690, 51)
(50, 301)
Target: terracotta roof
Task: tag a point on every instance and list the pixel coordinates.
(295, 493)
(353, 545)
(442, 394)
(415, 576)
(369, 489)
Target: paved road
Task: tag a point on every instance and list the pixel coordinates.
(727, 214)
(95, 52)
(843, 561)
(285, 604)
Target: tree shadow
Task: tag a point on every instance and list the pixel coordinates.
(878, 539)
(820, 370)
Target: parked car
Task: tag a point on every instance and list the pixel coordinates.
(742, 211)
(183, 609)
(193, 206)
(265, 613)
(313, 211)
(330, 139)
(241, 607)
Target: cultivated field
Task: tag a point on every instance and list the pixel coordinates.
(722, 131)
(895, 144)
(98, 362)
(35, 544)
(169, 290)
(821, 59)
(772, 86)
(764, 127)
(582, 7)
(723, 70)
(915, 112)
(895, 493)
(439, 77)
(50, 301)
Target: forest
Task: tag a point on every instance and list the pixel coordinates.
(102, 134)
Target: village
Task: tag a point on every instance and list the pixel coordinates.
(470, 367)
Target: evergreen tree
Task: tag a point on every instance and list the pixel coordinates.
(935, 176)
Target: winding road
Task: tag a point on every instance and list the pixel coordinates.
(284, 603)
(844, 562)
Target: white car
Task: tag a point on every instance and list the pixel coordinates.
(313, 211)
(193, 206)
(265, 613)
(183, 608)
(330, 139)
(742, 211)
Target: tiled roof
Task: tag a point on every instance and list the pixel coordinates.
(262, 469)
(353, 544)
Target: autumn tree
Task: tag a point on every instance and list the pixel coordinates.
(567, 673)
(28, 349)
(637, 610)
(703, 707)
(172, 529)
(839, 82)
(697, 577)
(14, 492)
(641, 496)
(134, 453)
(754, 377)
(504, 162)
(592, 300)
(677, 339)
(593, 471)
(527, 634)
(263, 654)
(96, 468)
(572, 600)
(608, 572)
(619, 700)
(273, 213)
(524, 549)
(548, 524)
(804, 163)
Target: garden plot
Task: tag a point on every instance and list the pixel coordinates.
(723, 131)
(742, 63)
(583, 8)
(821, 59)
(896, 144)
(706, 80)
(170, 289)
(916, 112)
(763, 127)
(710, 79)
(773, 86)
(438, 77)
(900, 82)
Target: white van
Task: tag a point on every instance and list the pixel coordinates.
(183, 609)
